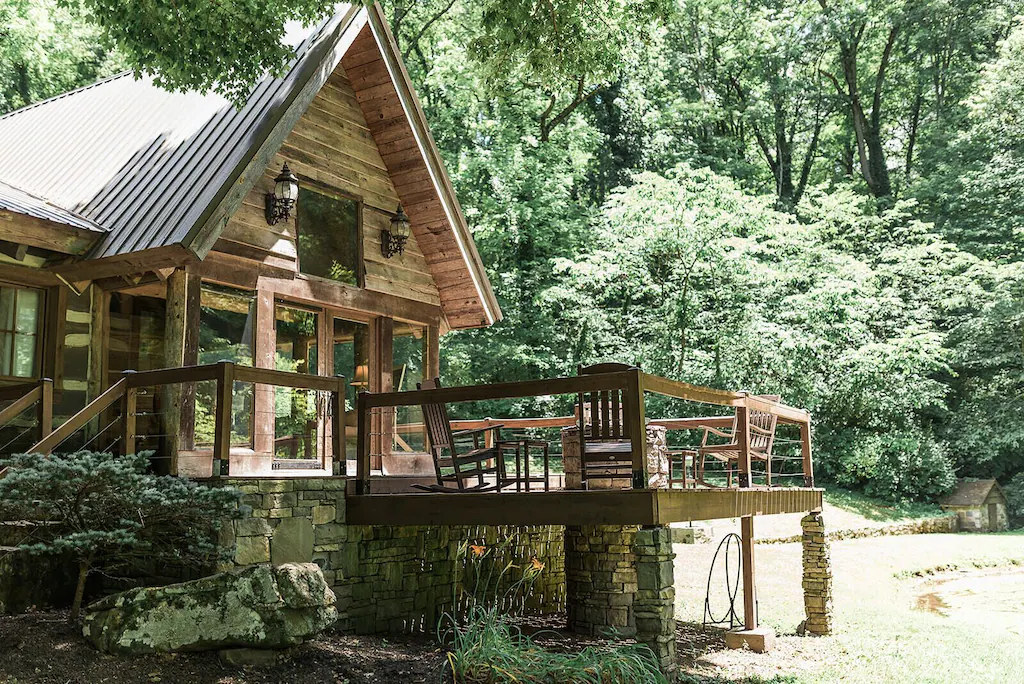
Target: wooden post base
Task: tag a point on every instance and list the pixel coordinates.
(760, 640)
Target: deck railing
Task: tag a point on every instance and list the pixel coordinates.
(225, 374)
(633, 384)
(22, 397)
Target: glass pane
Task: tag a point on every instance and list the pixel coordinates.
(7, 307)
(6, 346)
(226, 319)
(24, 355)
(352, 360)
(28, 312)
(328, 236)
(295, 411)
(409, 355)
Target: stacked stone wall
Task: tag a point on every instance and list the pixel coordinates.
(817, 575)
(388, 579)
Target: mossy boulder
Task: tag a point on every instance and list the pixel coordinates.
(259, 606)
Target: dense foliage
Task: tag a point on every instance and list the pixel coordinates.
(819, 198)
(109, 513)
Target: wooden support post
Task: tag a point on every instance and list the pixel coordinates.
(432, 362)
(636, 423)
(805, 451)
(99, 341)
(128, 406)
(44, 411)
(382, 380)
(265, 344)
(175, 324)
(222, 425)
(53, 334)
(749, 596)
(338, 465)
(190, 357)
(362, 445)
(743, 441)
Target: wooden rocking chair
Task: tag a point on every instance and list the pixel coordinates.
(761, 439)
(476, 463)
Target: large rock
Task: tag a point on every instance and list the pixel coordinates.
(259, 606)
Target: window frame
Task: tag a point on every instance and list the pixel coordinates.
(337, 195)
(41, 333)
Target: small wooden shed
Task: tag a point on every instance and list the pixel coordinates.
(980, 506)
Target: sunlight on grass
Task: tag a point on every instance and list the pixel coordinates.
(880, 635)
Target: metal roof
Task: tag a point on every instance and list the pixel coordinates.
(21, 202)
(143, 163)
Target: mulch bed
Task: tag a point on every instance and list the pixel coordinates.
(41, 648)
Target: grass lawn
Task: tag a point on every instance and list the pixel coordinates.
(882, 635)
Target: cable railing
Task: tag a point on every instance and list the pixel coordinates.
(627, 412)
(118, 408)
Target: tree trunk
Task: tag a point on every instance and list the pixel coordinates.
(83, 573)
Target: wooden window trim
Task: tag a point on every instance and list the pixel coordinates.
(326, 190)
(48, 306)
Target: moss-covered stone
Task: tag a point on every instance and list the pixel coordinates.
(254, 607)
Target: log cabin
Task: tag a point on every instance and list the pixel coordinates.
(142, 231)
(256, 291)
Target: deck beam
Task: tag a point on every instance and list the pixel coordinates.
(624, 507)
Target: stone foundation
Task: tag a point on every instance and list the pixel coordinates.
(388, 579)
(817, 580)
(619, 579)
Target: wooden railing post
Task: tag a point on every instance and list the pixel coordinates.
(338, 466)
(222, 425)
(362, 445)
(743, 441)
(635, 421)
(749, 590)
(128, 404)
(805, 451)
(44, 411)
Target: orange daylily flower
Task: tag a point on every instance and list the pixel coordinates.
(477, 550)
(537, 565)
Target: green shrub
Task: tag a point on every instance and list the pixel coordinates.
(109, 513)
(485, 648)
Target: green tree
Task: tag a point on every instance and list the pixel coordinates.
(108, 513)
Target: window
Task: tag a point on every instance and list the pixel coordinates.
(295, 410)
(408, 354)
(226, 320)
(328, 237)
(352, 360)
(19, 331)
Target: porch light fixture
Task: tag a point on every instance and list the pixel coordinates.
(281, 201)
(392, 241)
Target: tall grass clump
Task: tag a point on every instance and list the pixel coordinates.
(484, 647)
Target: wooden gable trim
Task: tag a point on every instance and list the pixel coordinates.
(398, 126)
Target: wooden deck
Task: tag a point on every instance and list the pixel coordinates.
(620, 507)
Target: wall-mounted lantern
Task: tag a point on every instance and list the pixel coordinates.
(281, 201)
(392, 241)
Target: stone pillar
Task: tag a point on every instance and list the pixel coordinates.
(600, 579)
(654, 603)
(817, 580)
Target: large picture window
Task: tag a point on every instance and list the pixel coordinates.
(328, 237)
(409, 354)
(19, 331)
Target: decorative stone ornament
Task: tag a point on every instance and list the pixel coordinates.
(286, 191)
(392, 241)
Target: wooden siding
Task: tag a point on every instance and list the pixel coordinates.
(331, 148)
(389, 127)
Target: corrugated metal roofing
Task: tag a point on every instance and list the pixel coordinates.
(144, 163)
(21, 202)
